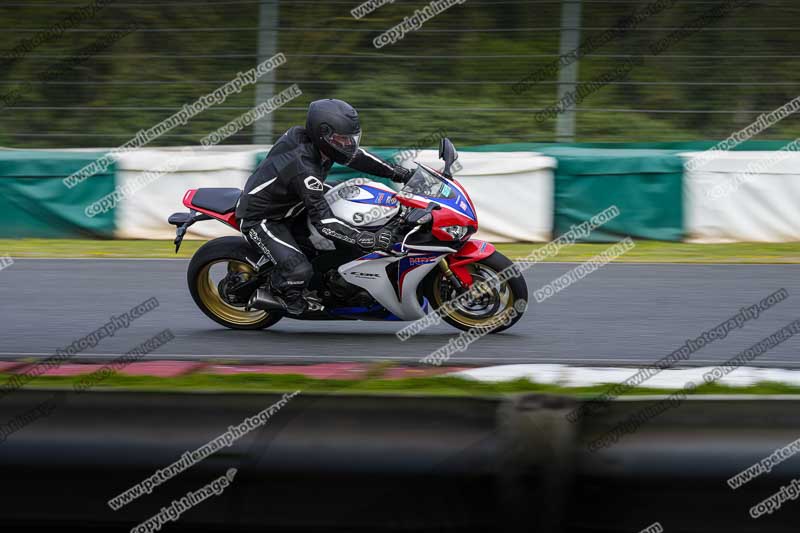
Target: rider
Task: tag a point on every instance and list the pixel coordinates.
(290, 180)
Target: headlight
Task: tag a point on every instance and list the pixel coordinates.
(456, 232)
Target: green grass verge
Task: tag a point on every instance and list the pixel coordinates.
(673, 252)
(443, 385)
(645, 251)
(89, 248)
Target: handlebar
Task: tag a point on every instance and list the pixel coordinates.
(420, 217)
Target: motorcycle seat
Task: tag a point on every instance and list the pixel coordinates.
(217, 199)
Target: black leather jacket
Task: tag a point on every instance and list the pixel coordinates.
(290, 180)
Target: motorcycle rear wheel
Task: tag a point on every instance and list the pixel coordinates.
(230, 252)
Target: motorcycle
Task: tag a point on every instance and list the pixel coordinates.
(434, 263)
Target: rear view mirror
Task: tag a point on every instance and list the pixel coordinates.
(447, 153)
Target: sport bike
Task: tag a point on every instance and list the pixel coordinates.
(433, 261)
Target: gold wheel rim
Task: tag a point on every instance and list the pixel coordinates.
(209, 295)
(458, 314)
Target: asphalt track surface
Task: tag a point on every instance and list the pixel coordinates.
(622, 314)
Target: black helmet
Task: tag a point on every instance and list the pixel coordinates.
(334, 129)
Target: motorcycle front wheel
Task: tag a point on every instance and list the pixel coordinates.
(497, 308)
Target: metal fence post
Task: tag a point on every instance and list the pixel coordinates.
(568, 75)
(265, 87)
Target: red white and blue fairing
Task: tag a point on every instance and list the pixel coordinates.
(393, 278)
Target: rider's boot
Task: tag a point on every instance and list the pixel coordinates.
(298, 301)
(293, 301)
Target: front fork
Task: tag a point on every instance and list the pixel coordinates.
(452, 278)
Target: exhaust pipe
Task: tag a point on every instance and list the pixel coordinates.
(264, 300)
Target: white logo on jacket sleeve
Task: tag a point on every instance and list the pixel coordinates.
(313, 184)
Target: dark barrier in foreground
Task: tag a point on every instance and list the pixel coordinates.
(353, 463)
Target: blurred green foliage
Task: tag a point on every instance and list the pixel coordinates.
(457, 78)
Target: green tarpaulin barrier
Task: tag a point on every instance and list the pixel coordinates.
(34, 202)
(670, 146)
(646, 186)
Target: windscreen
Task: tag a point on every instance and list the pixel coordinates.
(424, 183)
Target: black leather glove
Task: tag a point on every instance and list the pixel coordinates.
(382, 240)
(401, 174)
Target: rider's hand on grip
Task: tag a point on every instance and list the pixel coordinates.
(366, 240)
(401, 174)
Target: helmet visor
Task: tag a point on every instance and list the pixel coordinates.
(345, 143)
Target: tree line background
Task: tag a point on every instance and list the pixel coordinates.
(455, 74)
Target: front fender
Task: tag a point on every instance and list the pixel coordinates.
(473, 251)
